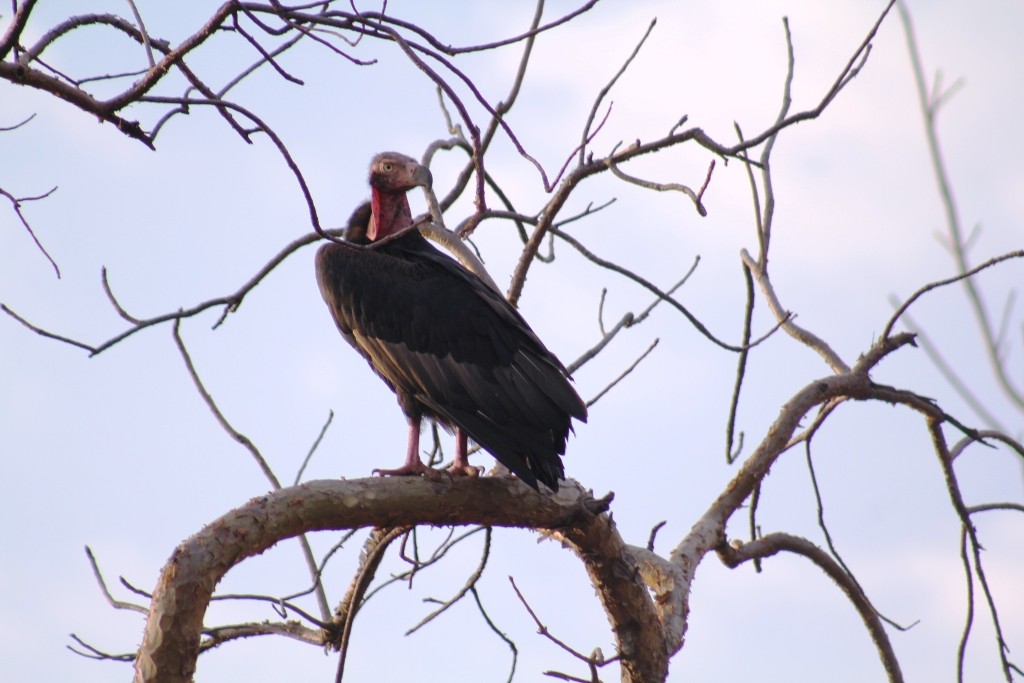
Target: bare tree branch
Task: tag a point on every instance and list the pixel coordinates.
(221, 420)
(769, 545)
(116, 604)
(923, 340)
(312, 449)
(663, 296)
(929, 109)
(586, 137)
(247, 443)
(355, 596)
(171, 641)
(785, 318)
(970, 541)
(645, 596)
(16, 205)
(469, 585)
(963, 276)
(623, 375)
(594, 661)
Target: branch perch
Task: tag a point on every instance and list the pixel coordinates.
(171, 641)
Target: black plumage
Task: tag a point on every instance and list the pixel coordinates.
(448, 345)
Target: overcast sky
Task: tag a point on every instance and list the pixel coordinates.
(119, 452)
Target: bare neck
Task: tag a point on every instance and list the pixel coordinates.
(391, 213)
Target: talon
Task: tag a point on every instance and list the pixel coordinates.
(464, 470)
(407, 470)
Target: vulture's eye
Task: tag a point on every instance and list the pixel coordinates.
(387, 167)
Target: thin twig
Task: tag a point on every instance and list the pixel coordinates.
(113, 602)
(544, 631)
(732, 454)
(218, 635)
(824, 526)
(993, 435)
(375, 547)
(929, 110)
(230, 302)
(654, 533)
(16, 205)
(948, 372)
(312, 449)
(785, 318)
(264, 128)
(469, 585)
(247, 443)
(576, 244)
(144, 32)
(586, 137)
(956, 498)
(695, 197)
(623, 375)
(280, 605)
(44, 333)
(962, 276)
(95, 653)
(16, 126)
(508, 641)
(217, 414)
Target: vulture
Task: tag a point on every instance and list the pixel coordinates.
(448, 345)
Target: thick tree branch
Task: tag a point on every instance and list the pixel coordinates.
(171, 641)
(22, 75)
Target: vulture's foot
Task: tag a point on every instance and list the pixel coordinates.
(410, 469)
(464, 469)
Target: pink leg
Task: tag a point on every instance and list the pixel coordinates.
(413, 465)
(461, 463)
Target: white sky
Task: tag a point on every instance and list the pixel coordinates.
(119, 453)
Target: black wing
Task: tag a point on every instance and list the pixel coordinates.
(451, 347)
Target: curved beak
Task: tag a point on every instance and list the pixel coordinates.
(421, 177)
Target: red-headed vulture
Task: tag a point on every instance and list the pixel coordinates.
(449, 346)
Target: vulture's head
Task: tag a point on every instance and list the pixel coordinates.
(391, 176)
(391, 172)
